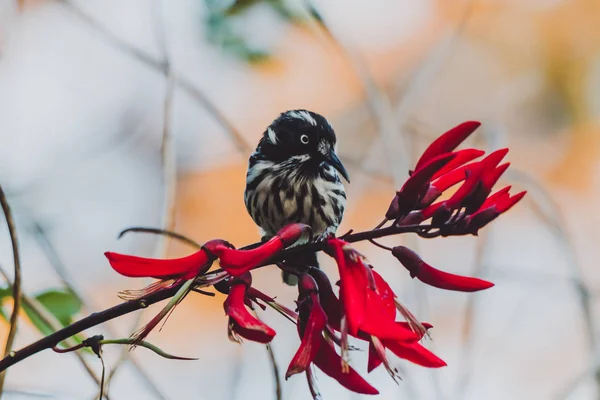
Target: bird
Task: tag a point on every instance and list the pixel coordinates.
(294, 177)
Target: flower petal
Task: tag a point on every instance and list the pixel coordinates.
(448, 141)
(328, 361)
(407, 197)
(461, 157)
(311, 332)
(434, 277)
(329, 301)
(353, 282)
(138, 267)
(416, 353)
(244, 323)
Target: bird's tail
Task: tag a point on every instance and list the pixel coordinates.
(300, 260)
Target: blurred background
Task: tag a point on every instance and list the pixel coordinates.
(143, 113)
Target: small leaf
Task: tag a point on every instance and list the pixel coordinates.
(5, 293)
(63, 305)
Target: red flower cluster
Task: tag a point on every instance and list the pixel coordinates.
(440, 168)
(365, 308)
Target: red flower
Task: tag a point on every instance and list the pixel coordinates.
(238, 262)
(311, 322)
(491, 209)
(413, 352)
(241, 322)
(368, 308)
(409, 195)
(434, 277)
(448, 141)
(139, 267)
(314, 348)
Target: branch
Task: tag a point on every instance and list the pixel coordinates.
(50, 321)
(68, 281)
(151, 62)
(16, 286)
(134, 305)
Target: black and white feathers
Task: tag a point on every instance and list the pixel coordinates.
(294, 175)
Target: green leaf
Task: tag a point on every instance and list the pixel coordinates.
(64, 305)
(37, 321)
(5, 293)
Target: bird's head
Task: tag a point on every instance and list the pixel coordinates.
(303, 134)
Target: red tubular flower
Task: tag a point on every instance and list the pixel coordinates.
(328, 361)
(448, 141)
(473, 174)
(327, 298)
(238, 262)
(139, 267)
(241, 322)
(461, 157)
(434, 277)
(407, 198)
(413, 352)
(491, 209)
(314, 348)
(367, 300)
(311, 322)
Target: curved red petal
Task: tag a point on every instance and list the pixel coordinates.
(473, 175)
(507, 203)
(448, 141)
(328, 361)
(408, 196)
(461, 157)
(353, 282)
(491, 177)
(238, 262)
(444, 280)
(374, 359)
(311, 339)
(138, 267)
(415, 353)
(329, 301)
(246, 325)
(494, 198)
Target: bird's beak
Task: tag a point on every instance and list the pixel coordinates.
(337, 164)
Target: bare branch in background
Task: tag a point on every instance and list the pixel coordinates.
(466, 368)
(278, 393)
(158, 231)
(179, 81)
(68, 281)
(380, 106)
(50, 320)
(16, 285)
(274, 366)
(550, 213)
(168, 160)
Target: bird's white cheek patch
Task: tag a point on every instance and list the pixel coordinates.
(323, 147)
(272, 136)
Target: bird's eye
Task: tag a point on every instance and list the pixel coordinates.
(304, 139)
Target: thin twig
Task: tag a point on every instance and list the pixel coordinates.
(158, 231)
(274, 366)
(179, 81)
(396, 147)
(68, 281)
(51, 322)
(16, 285)
(167, 152)
(468, 321)
(278, 393)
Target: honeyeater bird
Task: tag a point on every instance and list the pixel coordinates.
(294, 176)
